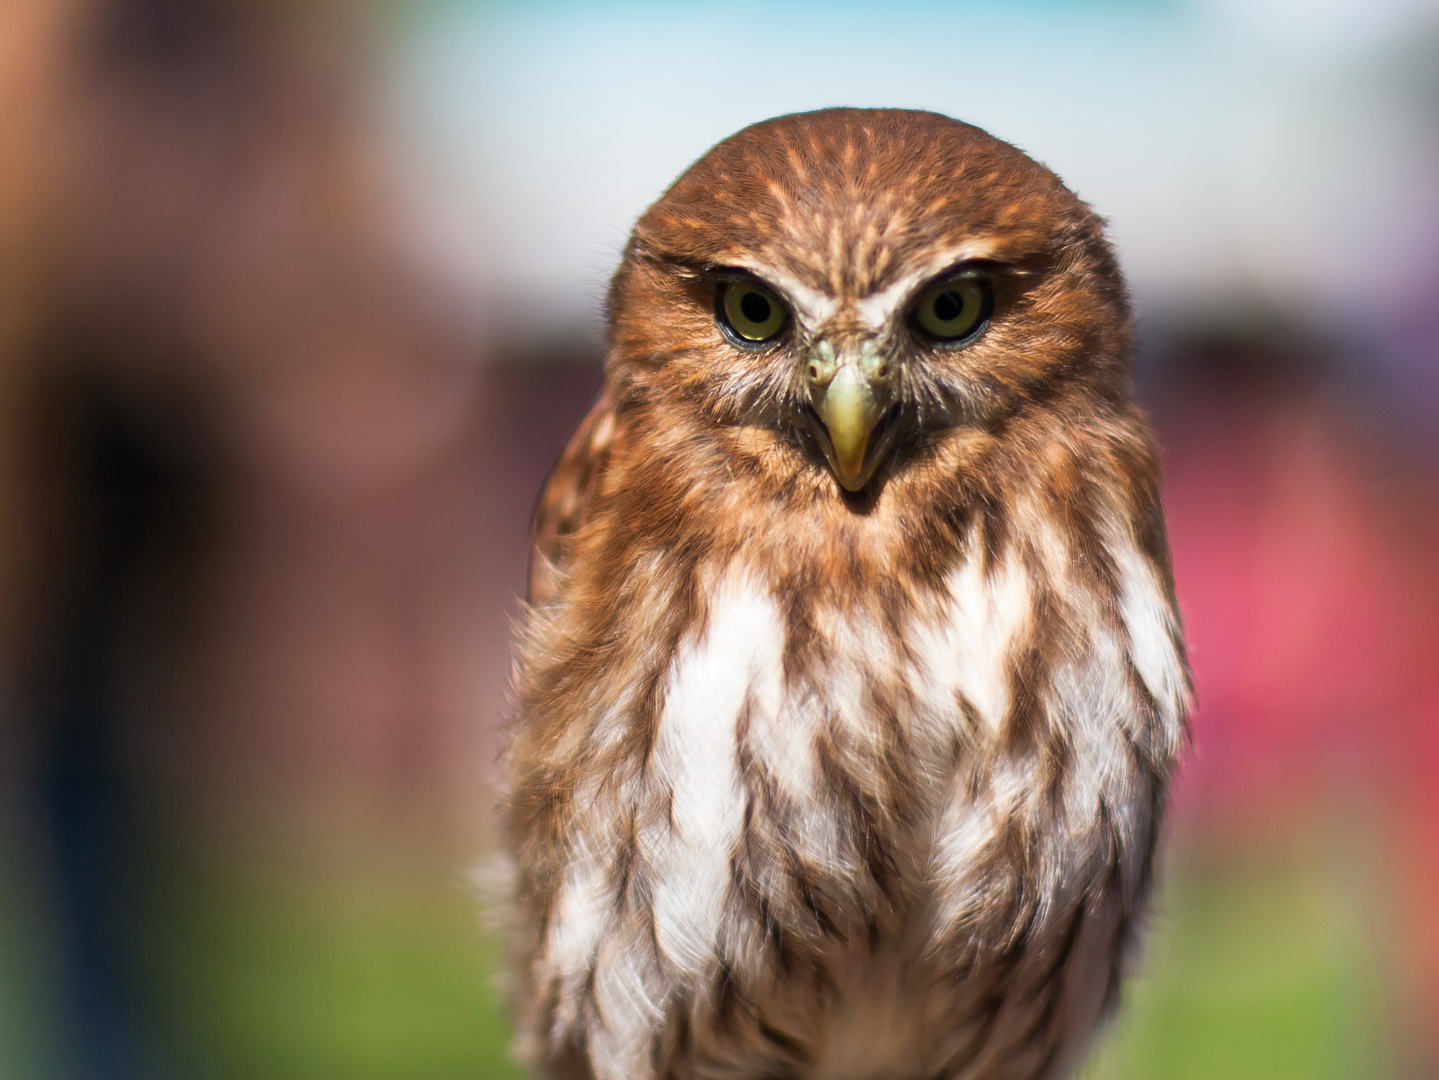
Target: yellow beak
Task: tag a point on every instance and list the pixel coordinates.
(850, 395)
(850, 411)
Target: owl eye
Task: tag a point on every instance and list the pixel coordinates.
(953, 310)
(750, 312)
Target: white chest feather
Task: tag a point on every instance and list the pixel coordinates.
(732, 670)
(757, 780)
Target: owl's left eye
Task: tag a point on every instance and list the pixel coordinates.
(952, 311)
(750, 312)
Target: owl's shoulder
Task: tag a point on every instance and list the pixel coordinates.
(568, 493)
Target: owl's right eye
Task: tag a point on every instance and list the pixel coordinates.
(751, 313)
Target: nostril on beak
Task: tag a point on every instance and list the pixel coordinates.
(814, 372)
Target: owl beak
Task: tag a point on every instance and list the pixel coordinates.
(850, 394)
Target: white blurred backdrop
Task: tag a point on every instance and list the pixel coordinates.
(1248, 153)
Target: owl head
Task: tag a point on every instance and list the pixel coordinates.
(838, 296)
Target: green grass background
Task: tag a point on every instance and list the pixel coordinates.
(1262, 971)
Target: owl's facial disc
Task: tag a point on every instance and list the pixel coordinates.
(851, 390)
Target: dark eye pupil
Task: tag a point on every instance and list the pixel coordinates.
(948, 306)
(754, 307)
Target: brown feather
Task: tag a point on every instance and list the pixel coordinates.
(567, 493)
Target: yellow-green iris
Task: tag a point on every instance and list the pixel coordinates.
(951, 310)
(753, 312)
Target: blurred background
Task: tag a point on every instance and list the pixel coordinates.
(298, 302)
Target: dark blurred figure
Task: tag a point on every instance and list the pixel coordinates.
(252, 587)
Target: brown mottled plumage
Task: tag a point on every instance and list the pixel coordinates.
(846, 763)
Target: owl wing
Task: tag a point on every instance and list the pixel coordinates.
(565, 499)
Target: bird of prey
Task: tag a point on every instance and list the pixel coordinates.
(851, 681)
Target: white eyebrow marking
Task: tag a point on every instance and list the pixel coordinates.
(815, 307)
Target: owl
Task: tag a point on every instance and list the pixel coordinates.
(851, 680)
